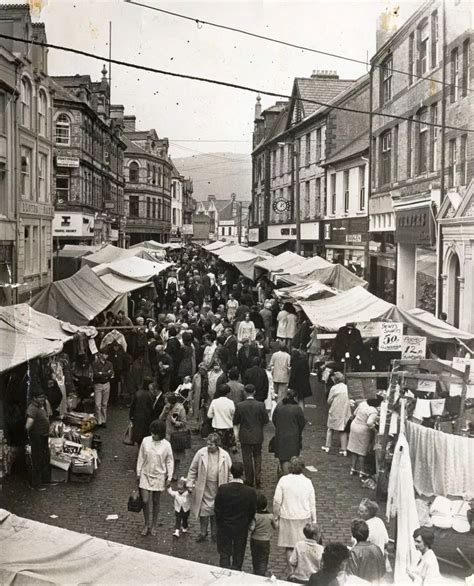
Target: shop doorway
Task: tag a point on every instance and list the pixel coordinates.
(454, 290)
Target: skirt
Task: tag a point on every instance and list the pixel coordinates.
(208, 498)
(360, 439)
(153, 483)
(291, 531)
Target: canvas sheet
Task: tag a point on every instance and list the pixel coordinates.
(305, 292)
(17, 348)
(136, 268)
(110, 254)
(285, 260)
(215, 245)
(122, 284)
(151, 244)
(308, 266)
(23, 319)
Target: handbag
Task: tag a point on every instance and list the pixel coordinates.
(180, 440)
(272, 445)
(127, 436)
(135, 502)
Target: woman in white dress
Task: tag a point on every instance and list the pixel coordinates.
(246, 330)
(154, 473)
(339, 413)
(361, 434)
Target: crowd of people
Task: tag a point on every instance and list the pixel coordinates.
(213, 355)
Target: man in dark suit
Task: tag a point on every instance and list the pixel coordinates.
(245, 356)
(251, 416)
(231, 345)
(235, 506)
(257, 376)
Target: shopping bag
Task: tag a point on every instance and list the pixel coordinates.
(127, 436)
(135, 503)
(180, 440)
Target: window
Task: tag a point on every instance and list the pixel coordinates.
(160, 177)
(133, 172)
(160, 209)
(411, 58)
(434, 137)
(386, 81)
(434, 39)
(63, 187)
(453, 163)
(26, 155)
(42, 174)
(44, 250)
(345, 183)
(362, 188)
(454, 75)
(26, 102)
(148, 207)
(410, 147)
(395, 153)
(318, 144)
(307, 199)
(154, 208)
(63, 130)
(134, 206)
(42, 113)
(465, 66)
(273, 163)
(318, 201)
(27, 253)
(333, 193)
(154, 175)
(174, 216)
(424, 36)
(282, 156)
(289, 158)
(148, 173)
(34, 264)
(422, 141)
(385, 157)
(463, 160)
(308, 149)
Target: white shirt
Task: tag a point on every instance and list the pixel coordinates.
(181, 501)
(221, 411)
(294, 498)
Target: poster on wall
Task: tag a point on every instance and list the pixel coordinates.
(413, 347)
(391, 334)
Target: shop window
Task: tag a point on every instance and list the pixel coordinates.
(63, 187)
(133, 172)
(148, 207)
(362, 188)
(134, 206)
(422, 141)
(454, 75)
(346, 191)
(26, 156)
(466, 64)
(434, 137)
(386, 80)
(63, 130)
(385, 157)
(42, 112)
(26, 94)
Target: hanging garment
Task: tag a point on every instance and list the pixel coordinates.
(58, 375)
(401, 503)
(422, 409)
(437, 407)
(113, 336)
(443, 463)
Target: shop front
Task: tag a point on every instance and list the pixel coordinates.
(415, 236)
(73, 227)
(311, 237)
(382, 250)
(345, 241)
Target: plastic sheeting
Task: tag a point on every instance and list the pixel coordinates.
(77, 299)
(35, 553)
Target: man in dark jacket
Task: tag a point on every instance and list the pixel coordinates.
(257, 376)
(245, 356)
(103, 373)
(251, 416)
(231, 345)
(235, 506)
(366, 559)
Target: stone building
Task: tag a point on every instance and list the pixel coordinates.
(148, 172)
(177, 189)
(88, 164)
(26, 208)
(410, 176)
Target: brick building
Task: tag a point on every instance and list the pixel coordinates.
(89, 154)
(148, 171)
(408, 182)
(189, 206)
(26, 209)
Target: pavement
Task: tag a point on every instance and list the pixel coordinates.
(83, 507)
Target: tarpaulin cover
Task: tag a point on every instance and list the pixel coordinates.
(244, 259)
(305, 292)
(282, 261)
(133, 268)
(216, 245)
(35, 553)
(77, 250)
(308, 266)
(122, 284)
(152, 244)
(25, 320)
(77, 299)
(111, 253)
(335, 275)
(17, 348)
(269, 244)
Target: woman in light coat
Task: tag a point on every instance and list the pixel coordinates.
(339, 413)
(209, 469)
(287, 324)
(294, 505)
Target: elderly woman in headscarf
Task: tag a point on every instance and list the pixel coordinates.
(209, 469)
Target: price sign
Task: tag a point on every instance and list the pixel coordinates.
(391, 334)
(413, 347)
(369, 329)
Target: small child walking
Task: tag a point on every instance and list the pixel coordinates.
(182, 506)
(306, 557)
(260, 533)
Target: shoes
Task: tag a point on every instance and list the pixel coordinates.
(325, 449)
(184, 530)
(354, 472)
(343, 453)
(176, 533)
(154, 532)
(200, 538)
(145, 531)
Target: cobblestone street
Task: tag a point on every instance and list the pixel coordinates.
(84, 507)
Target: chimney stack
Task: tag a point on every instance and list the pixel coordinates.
(129, 123)
(258, 107)
(324, 74)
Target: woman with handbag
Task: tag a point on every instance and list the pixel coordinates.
(141, 411)
(174, 415)
(154, 472)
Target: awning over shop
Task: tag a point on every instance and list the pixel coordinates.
(269, 244)
(281, 262)
(77, 299)
(35, 553)
(136, 268)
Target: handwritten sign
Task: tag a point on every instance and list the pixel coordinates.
(369, 329)
(413, 347)
(391, 334)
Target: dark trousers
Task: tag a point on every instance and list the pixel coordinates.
(40, 467)
(260, 553)
(181, 519)
(231, 545)
(252, 459)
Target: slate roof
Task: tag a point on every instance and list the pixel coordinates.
(132, 147)
(357, 146)
(321, 90)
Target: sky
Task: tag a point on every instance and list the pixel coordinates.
(184, 110)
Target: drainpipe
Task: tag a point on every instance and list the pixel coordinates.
(369, 177)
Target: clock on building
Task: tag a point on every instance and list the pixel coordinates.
(281, 205)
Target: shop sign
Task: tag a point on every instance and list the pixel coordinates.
(73, 224)
(415, 226)
(413, 347)
(391, 334)
(354, 238)
(327, 231)
(253, 235)
(187, 229)
(288, 231)
(71, 162)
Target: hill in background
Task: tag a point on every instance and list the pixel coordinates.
(218, 174)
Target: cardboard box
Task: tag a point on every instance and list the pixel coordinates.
(78, 467)
(59, 475)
